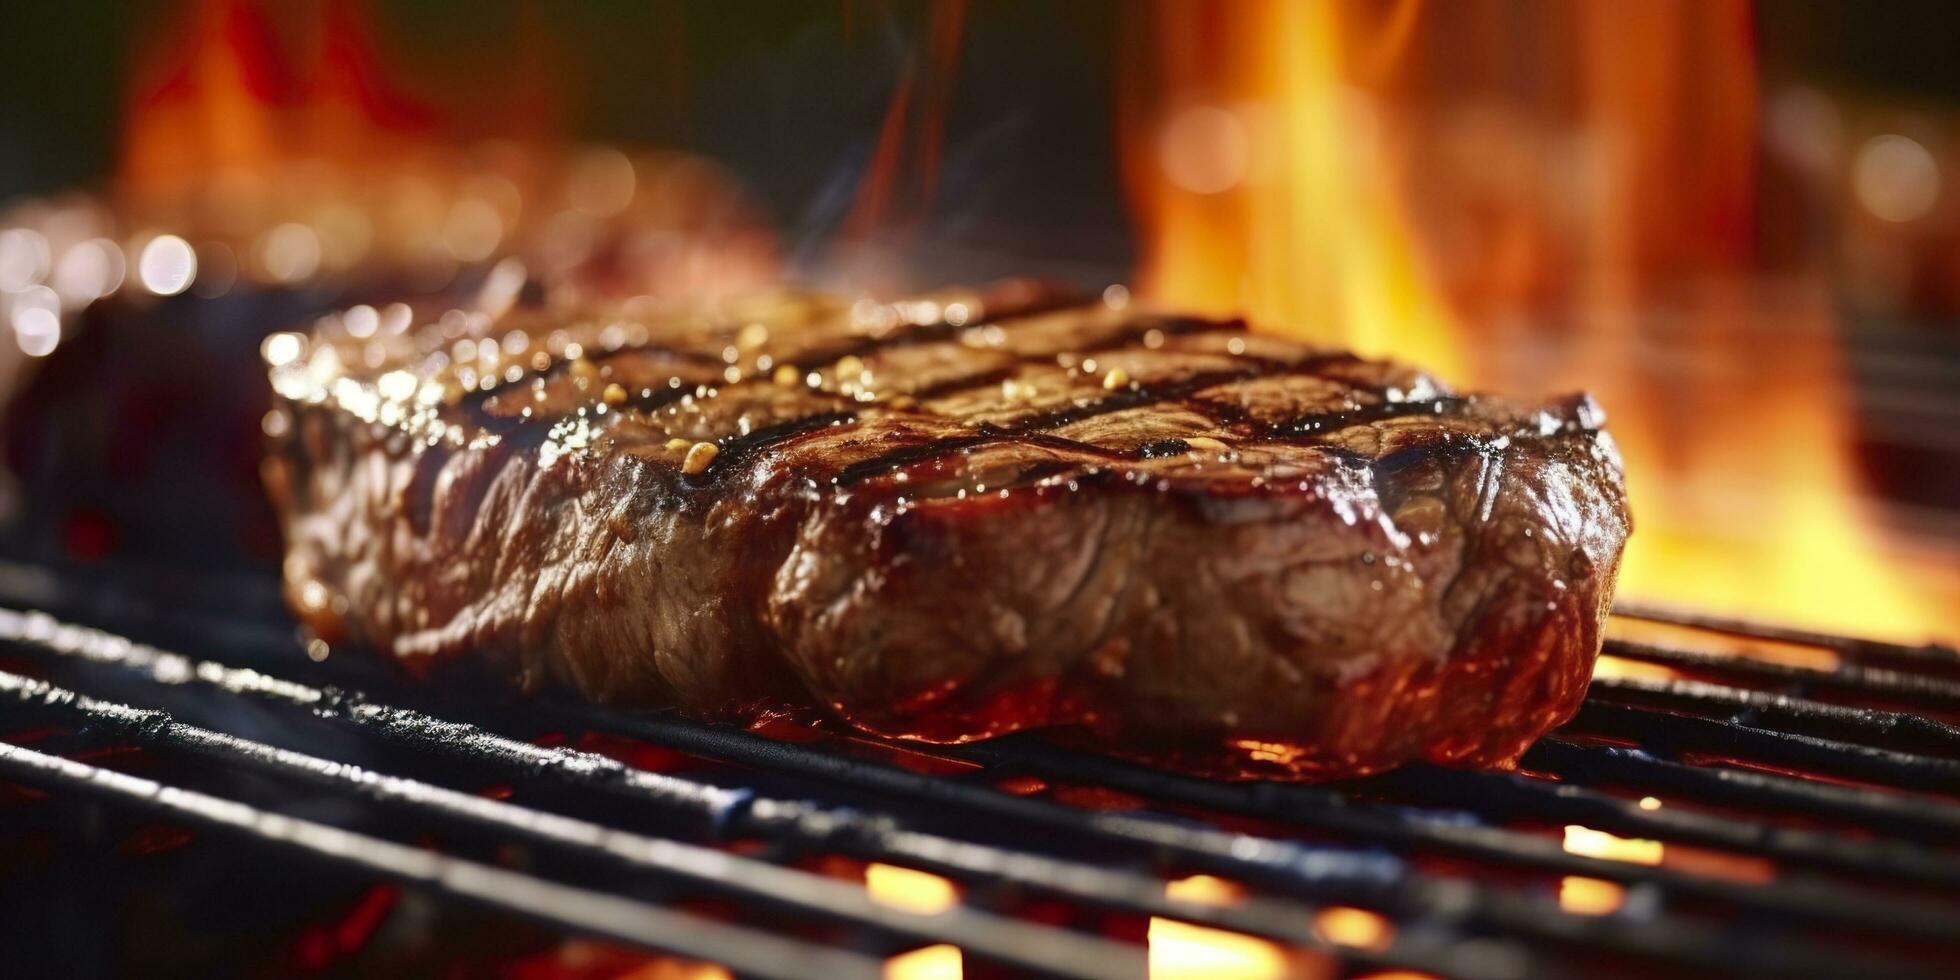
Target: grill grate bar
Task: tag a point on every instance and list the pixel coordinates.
(1509, 796)
(1882, 729)
(1376, 881)
(1438, 900)
(1485, 907)
(1818, 902)
(715, 813)
(1048, 951)
(1898, 814)
(1900, 687)
(1297, 867)
(1853, 648)
(572, 909)
(1679, 735)
(1433, 907)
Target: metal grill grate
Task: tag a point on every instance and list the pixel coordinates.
(1839, 815)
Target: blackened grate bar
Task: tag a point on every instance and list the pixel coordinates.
(1384, 883)
(1510, 796)
(1892, 686)
(1855, 649)
(1445, 924)
(1320, 809)
(1869, 726)
(1044, 950)
(1292, 803)
(717, 813)
(1898, 814)
(1710, 738)
(574, 909)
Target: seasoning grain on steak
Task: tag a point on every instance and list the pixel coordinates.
(958, 517)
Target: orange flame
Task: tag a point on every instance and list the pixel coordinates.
(876, 209)
(247, 92)
(205, 106)
(1259, 186)
(1344, 172)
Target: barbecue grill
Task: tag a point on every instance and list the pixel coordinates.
(1809, 809)
(190, 785)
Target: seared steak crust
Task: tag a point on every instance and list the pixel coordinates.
(958, 517)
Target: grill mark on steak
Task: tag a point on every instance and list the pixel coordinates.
(737, 451)
(1006, 308)
(1311, 431)
(1321, 425)
(1136, 397)
(473, 402)
(1139, 396)
(1177, 327)
(994, 312)
(472, 406)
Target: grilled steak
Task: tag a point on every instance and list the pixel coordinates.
(957, 517)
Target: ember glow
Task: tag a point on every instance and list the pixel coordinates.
(938, 962)
(1358, 928)
(1333, 170)
(1181, 951)
(913, 891)
(926, 894)
(1595, 896)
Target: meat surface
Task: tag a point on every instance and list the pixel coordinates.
(956, 517)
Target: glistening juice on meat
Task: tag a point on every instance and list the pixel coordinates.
(956, 517)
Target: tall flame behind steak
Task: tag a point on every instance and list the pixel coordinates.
(954, 518)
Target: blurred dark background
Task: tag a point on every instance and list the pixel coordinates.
(792, 97)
